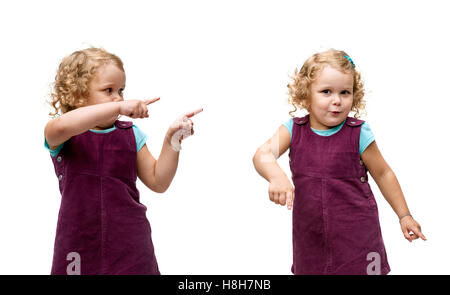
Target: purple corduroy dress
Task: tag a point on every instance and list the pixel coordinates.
(336, 228)
(100, 217)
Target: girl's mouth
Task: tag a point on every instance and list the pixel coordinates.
(335, 113)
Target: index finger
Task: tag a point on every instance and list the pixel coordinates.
(194, 113)
(152, 100)
(418, 232)
(289, 198)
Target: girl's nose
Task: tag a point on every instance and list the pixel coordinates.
(336, 99)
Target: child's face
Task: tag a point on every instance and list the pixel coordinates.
(331, 98)
(107, 85)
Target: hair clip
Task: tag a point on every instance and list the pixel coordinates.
(348, 57)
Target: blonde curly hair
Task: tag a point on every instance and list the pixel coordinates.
(71, 87)
(299, 88)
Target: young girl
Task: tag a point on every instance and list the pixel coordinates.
(336, 228)
(102, 227)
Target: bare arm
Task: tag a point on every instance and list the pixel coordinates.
(157, 174)
(265, 162)
(385, 179)
(77, 121)
(81, 119)
(265, 158)
(390, 188)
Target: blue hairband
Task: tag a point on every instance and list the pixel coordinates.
(348, 57)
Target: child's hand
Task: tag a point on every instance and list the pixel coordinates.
(181, 129)
(281, 191)
(135, 108)
(408, 224)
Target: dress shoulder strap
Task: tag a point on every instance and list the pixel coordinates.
(353, 122)
(302, 120)
(123, 124)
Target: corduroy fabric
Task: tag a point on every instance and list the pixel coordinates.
(335, 215)
(100, 216)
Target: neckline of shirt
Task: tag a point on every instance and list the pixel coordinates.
(103, 131)
(330, 131)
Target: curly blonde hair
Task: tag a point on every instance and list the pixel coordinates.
(299, 88)
(71, 87)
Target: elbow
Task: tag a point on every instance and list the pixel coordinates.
(256, 156)
(262, 155)
(254, 159)
(160, 189)
(386, 173)
(157, 188)
(154, 187)
(53, 132)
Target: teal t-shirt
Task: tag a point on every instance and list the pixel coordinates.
(366, 137)
(140, 136)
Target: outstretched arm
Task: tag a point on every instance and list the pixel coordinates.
(390, 188)
(77, 121)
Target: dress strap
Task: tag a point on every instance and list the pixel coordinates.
(353, 122)
(302, 120)
(123, 124)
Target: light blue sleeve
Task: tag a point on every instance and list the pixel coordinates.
(140, 136)
(54, 152)
(365, 138)
(288, 125)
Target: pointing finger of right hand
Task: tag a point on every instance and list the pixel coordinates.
(152, 100)
(194, 113)
(289, 199)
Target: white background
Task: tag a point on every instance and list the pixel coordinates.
(233, 58)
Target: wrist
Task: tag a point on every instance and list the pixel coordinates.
(167, 137)
(118, 105)
(172, 142)
(280, 175)
(404, 215)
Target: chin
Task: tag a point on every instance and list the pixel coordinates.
(335, 121)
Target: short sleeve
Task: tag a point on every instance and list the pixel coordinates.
(54, 152)
(288, 124)
(366, 137)
(140, 136)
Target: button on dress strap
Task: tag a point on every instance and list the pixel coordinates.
(302, 120)
(123, 124)
(353, 122)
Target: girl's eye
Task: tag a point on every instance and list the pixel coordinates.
(108, 90)
(121, 91)
(345, 92)
(326, 91)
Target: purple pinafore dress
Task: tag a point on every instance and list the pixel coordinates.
(101, 218)
(336, 228)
